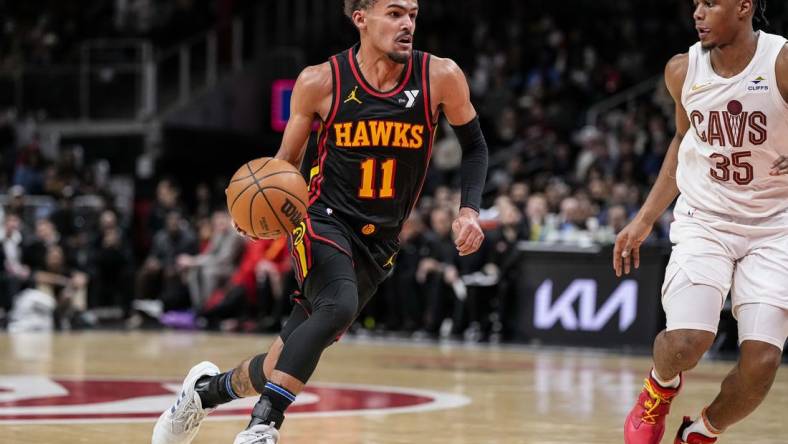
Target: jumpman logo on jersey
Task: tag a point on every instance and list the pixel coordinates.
(390, 263)
(352, 96)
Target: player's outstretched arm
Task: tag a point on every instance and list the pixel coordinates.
(780, 165)
(311, 98)
(665, 190)
(449, 88)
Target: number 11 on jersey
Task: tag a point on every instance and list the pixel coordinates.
(368, 169)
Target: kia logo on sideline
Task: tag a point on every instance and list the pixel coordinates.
(548, 312)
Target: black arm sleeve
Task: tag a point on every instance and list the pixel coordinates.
(473, 170)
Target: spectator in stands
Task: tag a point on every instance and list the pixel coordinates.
(616, 218)
(437, 271)
(575, 221)
(64, 217)
(537, 216)
(555, 192)
(255, 290)
(158, 278)
(15, 272)
(112, 265)
(45, 237)
(403, 303)
(68, 288)
(518, 194)
(503, 264)
(205, 203)
(211, 268)
(29, 171)
(167, 200)
(16, 202)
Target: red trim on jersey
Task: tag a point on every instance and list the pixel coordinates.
(337, 91)
(308, 250)
(301, 301)
(322, 152)
(425, 84)
(424, 176)
(299, 273)
(324, 239)
(321, 144)
(368, 88)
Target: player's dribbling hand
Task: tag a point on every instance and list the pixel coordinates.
(627, 249)
(779, 166)
(468, 235)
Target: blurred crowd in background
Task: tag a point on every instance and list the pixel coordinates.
(40, 33)
(68, 249)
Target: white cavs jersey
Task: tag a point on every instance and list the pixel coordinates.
(739, 126)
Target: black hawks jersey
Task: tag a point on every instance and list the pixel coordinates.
(374, 147)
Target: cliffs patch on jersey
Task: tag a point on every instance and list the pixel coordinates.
(378, 133)
(728, 127)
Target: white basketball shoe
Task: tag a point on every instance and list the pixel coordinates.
(258, 434)
(180, 423)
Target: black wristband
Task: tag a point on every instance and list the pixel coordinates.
(473, 169)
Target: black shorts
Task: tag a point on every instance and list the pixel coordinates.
(318, 238)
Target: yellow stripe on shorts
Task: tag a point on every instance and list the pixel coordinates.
(301, 251)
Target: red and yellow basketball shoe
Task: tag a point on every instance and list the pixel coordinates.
(646, 421)
(692, 438)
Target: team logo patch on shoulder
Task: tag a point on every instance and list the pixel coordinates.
(758, 85)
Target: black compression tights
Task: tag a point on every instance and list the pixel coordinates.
(333, 296)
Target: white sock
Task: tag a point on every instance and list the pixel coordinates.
(702, 426)
(673, 383)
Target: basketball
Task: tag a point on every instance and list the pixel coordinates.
(267, 197)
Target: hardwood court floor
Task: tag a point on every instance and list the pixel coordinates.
(481, 394)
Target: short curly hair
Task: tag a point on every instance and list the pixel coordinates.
(354, 5)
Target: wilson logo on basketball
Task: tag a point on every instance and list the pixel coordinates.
(291, 212)
(26, 399)
(728, 128)
(265, 228)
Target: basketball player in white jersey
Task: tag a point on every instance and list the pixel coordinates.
(728, 162)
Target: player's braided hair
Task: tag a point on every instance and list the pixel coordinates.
(759, 17)
(355, 5)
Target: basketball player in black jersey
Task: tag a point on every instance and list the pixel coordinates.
(378, 103)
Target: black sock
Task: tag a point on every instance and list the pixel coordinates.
(215, 390)
(271, 406)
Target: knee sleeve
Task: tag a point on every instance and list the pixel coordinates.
(333, 309)
(298, 315)
(762, 322)
(691, 306)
